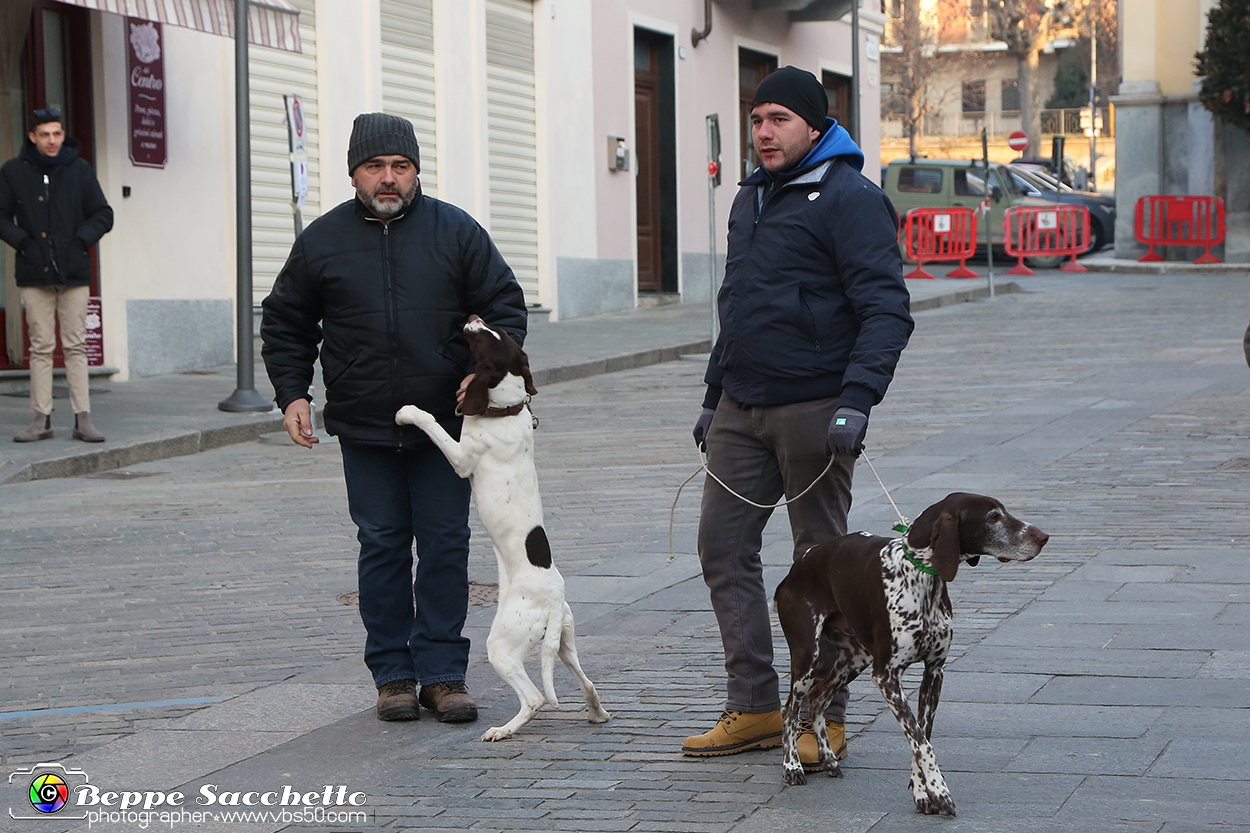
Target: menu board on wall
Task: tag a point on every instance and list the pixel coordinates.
(145, 67)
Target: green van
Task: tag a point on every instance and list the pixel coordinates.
(942, 183)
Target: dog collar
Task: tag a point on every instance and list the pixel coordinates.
(512, 410)
(917, 563)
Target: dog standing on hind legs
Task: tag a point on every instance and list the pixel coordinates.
(861, 599)
(496, 454)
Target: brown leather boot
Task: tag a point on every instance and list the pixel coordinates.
(84, 430)
(737, 732)
(39, 429)
(397, 700)
(809, 750)
(450, 701)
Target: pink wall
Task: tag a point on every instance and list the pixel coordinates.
(707, 82)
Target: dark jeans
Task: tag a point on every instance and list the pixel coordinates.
(761, 453)
(395, 495)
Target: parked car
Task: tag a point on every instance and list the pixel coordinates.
(1069, 174)
(1101, 209)
(939, 183)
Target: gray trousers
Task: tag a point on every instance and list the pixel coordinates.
(761, 453)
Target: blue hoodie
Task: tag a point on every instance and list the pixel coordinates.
(813, 303)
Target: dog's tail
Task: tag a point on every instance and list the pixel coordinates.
(549, 651)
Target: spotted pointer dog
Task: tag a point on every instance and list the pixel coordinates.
(862, 599)
(496, 454)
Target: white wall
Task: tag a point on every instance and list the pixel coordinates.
(173, 237)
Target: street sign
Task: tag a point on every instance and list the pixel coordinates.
(1018, 141)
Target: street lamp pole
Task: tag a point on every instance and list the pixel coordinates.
(245, 397)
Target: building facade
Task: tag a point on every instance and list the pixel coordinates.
(1166, 141)
(575, 131)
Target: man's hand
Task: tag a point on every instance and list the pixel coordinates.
(846, 431)
(700, 428)
(298, 423)
(464, 386)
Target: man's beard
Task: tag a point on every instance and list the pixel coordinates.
(389, 207)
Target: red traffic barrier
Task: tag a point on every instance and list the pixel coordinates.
(1162, 220)
(940, 234)
(1046, 231)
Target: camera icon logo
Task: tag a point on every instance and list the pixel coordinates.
(50, 788)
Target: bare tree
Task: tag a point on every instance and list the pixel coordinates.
(916, 64)
(1027, 26)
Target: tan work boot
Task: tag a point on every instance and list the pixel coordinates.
(809, 750)
(84, 430)
(397, 700)
(737, 732)
(39, 429)
(450, 701)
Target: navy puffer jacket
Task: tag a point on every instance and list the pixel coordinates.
(387, 303)
(813, 304)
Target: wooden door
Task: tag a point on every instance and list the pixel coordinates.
(838, 90)
(647, 159)
(753, 67)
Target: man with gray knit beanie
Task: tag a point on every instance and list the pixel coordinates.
(384, 284)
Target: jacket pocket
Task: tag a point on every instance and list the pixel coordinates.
(807, 319)
(332, 370)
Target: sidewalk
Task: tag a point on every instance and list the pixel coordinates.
(167, 416)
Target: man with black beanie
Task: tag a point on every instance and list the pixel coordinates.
(814, 315)
(384, 284)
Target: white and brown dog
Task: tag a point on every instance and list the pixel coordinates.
(496, 454)
(860, 600)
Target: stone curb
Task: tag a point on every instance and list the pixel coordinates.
(160, 447)
(1167, 267)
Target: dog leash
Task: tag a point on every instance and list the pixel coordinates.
(901, 526)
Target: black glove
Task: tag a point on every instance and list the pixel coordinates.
(700, 428)
(846, 431)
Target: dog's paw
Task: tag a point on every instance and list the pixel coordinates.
(936, 805)
(834, 770)
(412, 415)
(496, 733)
(599, 715)
(794, 776)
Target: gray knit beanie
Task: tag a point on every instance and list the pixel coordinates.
(381, 134)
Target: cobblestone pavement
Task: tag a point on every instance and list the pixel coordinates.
(178, 623)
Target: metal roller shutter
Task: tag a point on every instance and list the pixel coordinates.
(512, 137)
(408, 76)
(274, 73)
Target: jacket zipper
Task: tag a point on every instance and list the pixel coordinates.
(47, 200)
(392, 320)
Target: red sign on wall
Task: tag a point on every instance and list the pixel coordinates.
(95, 334)
(145, 68)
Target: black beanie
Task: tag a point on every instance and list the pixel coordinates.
(381, 134)
(798, 90)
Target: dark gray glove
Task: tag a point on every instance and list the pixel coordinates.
(846, 431)
(700, 428)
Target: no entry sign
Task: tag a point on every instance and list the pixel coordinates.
(1018, 141)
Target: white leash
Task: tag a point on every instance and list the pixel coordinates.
(903, 522)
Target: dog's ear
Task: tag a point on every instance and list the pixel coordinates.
(944, 539)
(476, 395)
(525, 374)
(521, 363)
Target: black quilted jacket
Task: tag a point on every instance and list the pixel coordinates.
(387, 303)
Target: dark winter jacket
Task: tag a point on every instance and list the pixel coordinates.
(60, 213)
(387, 303)
(813, 304)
